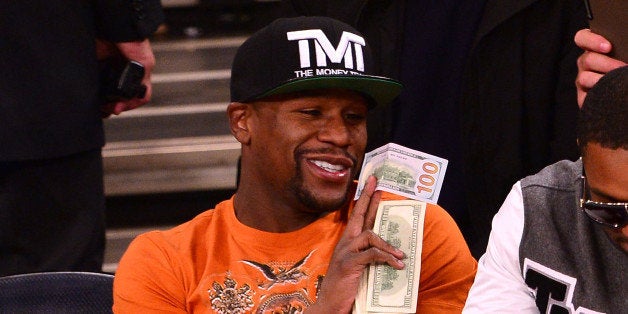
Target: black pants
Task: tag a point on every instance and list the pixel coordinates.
(52, 214)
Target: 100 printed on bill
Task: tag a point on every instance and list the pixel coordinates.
(404, 171)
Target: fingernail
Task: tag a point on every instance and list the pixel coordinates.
(605, 46)
(402, 264)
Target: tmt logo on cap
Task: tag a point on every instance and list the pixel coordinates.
(324, 48)
(305, 53)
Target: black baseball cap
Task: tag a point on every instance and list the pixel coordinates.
(304, 53)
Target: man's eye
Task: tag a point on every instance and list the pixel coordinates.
(355, 117)
(311, 112)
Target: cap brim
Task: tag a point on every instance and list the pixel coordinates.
(382, 90)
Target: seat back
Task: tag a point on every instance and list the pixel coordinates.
(56, 292)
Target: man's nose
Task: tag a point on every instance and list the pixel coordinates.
(335, 130)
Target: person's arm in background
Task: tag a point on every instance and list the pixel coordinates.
(127, 24)
(594, 62)
(139, 51)
(499, 286)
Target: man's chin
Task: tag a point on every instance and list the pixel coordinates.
(326, 204)
(320, 196)
(323, 202)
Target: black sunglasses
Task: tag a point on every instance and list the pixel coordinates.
(614, 215)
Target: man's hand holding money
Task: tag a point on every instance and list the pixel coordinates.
(358, 248)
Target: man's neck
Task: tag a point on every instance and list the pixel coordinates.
(258, 210)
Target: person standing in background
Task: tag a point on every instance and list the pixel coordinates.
(52, 203)
(489, 86)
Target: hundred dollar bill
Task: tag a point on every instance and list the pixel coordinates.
(359, 305)
(404, 171)
(384, 289)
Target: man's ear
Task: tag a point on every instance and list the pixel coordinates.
(239, 114)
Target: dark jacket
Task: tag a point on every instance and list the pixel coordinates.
(49, 73)
(518, 106)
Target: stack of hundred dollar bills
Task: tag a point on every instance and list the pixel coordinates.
(417, 176)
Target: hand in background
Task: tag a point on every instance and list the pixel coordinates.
(594, 62)
(139, 51)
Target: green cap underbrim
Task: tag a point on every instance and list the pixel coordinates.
(380, 89)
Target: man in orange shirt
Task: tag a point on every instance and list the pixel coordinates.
(291, 240)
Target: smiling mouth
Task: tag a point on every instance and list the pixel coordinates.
(328, 166)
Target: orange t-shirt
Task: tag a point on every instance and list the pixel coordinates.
(215, 264)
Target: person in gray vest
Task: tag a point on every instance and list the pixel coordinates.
(559, 243)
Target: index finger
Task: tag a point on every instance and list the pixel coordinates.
(588, 40)
(356, 221)
(371, 213)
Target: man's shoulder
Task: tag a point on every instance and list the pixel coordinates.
(441, 232)
(189, 230)
(560, 175)
(435, 214)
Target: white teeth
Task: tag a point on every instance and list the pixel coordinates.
(327, 166)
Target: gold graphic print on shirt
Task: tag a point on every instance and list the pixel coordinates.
(229, 298)
(271, 289)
